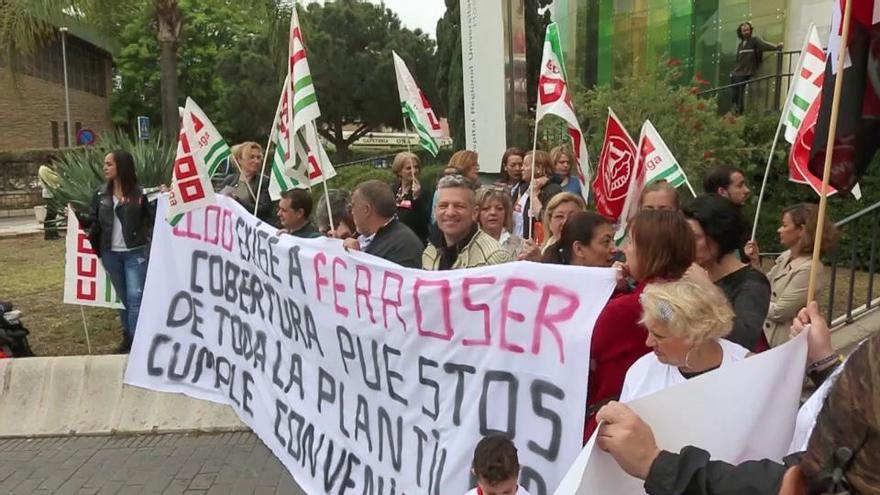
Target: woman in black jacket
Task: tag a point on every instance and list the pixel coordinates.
(119, 225)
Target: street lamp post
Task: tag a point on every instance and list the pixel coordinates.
(68, 126)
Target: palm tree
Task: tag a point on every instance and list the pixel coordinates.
(26, 24)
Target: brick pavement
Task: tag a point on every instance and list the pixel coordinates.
(223, 463)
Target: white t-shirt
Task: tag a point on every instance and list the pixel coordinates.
(520, 491)
(648, 375)
(118, 240)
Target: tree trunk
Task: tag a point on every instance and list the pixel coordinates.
(168, 23)
(168, 78)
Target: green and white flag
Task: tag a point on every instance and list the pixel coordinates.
(200, 151)
(554, 98)
(806, 85)
(654, 162)
(659, 164)
(300, 168)
(209, 146)
(300, 115)
(282, 177)
(415, 106)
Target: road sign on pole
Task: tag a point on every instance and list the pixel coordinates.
(143, 128)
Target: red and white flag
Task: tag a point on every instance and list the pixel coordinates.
(554, 98)
(616, 170)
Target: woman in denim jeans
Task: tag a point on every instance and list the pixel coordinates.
(119, 225)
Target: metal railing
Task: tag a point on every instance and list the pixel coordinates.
(762, 91)
(857, 255)
(858, 231)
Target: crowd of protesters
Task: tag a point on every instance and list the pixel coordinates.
(691, 296)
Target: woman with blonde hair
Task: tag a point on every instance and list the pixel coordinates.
(563, 161)
(660, 248)
(413, 205)
(687, 320)
(558, 210)
(244, 185)
(496, 218)
(790, 276)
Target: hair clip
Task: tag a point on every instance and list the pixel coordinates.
(665, 311)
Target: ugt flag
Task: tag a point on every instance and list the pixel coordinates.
(415, 106)
(616, 170)
(554, 98)
(858, 122)
(655, 162)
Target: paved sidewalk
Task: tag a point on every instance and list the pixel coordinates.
(20, 225)
(228, 463)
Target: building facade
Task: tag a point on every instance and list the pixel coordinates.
(604, 39)
(32, 110)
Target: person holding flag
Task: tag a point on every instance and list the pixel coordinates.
(242, 186)
(119, 224)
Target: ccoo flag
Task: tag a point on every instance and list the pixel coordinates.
(616, 170)
(415, 106)
(301, 113)
(554, 98)
(200, 151)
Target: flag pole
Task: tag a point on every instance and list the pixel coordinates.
(829, 150)
(532, 180)
(785, 109)
(691, 188)
(406, 133)
(325, 178)
(766, 174)
(266, 155)
(85, 329)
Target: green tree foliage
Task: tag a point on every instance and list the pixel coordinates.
(349, 45)
(698, 137)
(224, 55)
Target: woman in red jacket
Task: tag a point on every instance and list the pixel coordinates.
(660, 247)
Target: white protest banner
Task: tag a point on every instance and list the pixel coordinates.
(360, 374)
(743, 411)
(85, 281)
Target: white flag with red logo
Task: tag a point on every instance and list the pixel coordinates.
(416, 108)
(301, 113)
(555, 99)
(85, 281)
(191, 186)
(616, 170)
